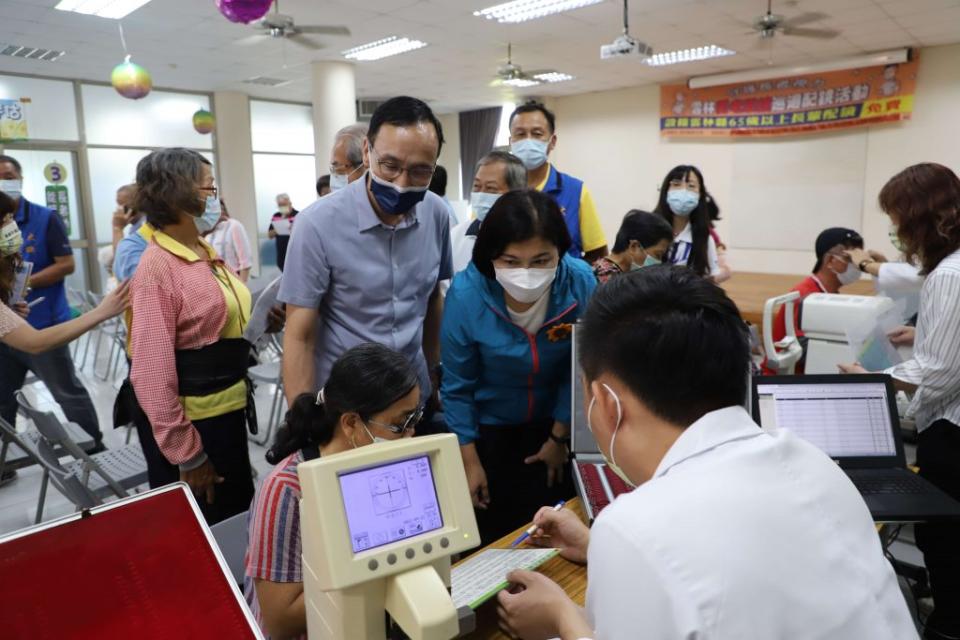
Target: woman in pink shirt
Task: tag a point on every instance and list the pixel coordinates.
(189, 360)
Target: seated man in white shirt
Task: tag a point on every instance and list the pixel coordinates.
(732, 532)
(497, 173)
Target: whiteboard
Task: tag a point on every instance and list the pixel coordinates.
(787, 191)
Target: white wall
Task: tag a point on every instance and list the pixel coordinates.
(450, 153)
(612, 141)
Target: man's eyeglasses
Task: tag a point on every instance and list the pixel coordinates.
(391, 170)
(412, 421)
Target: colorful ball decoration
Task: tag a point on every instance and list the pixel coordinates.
(244, 10)
(131, 80)
(203, 121)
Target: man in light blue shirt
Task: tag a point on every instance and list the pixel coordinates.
(365, 261)
(129, 251)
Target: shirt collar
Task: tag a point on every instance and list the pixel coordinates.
(686, 235)
(23, 212)
(172, 246)
(367, 218)
(709, 432)
(552, 182)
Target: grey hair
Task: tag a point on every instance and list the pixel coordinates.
(354, 133)
(282, 195)
(515, 175)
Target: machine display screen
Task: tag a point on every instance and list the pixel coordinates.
(390, 502)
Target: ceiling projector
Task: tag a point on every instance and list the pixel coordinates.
(625, 46)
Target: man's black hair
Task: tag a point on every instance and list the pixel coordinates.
(404, 111)
(673, 338)
(517, 216)
(530, 107)
(438, 184)
(13, 161)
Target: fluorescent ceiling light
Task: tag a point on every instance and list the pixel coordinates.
(115, 9)
(688, 55)
(894, 56)
(553, 76)
(383, 48)
(521, 82)
(523, 10)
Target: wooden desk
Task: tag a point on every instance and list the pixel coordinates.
(572, 577)
(752, 290)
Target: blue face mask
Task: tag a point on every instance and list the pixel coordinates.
(532, 152)
(649, 261)
(210, 216)
(682, 202)
(481, 203)
(394, 200)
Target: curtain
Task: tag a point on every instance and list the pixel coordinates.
(478, 131)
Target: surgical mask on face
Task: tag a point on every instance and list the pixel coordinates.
(849, 275)
(10, 239)
(532, 152)
(649, 261)
(481, 203)
(210, 217)
(895, 240)
(338, 181)
(682, 202)
(285, 209)
(526, 285)
(374, 438)
(13, 188)
(394, 200)
(612, 459)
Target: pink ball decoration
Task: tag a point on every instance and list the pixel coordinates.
(244, 10)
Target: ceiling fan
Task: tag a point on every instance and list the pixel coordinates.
(512, 75)
(770, 23)
(278, 25)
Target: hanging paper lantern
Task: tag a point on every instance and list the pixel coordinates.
(244, 10)
(131, 80)
(203, 121)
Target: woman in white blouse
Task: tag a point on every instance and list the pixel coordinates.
(923, 202)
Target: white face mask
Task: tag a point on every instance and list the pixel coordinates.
(612, 460)
(210, 216)
(375, 439)
(481, 203)
(340, 180)
(13, 188)
(848, 276)
(526, 285)
(284, 209)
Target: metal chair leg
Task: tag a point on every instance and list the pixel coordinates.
(43, 497)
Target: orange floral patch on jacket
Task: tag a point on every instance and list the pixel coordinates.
(559, 332)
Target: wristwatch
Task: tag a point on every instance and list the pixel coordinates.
(559, 440)
(863, 264)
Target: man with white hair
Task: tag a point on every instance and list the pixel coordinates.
(346, 157)
(281, 224)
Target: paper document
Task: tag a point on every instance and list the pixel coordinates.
(21, 279)
(870, 343)
(267, 299)
(282, 226)
(483, 575)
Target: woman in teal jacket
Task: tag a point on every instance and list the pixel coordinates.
(506, 338)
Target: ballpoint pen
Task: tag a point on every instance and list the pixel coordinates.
(530, 531)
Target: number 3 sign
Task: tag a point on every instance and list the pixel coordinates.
(55, 173)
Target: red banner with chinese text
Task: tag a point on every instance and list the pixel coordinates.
(794, 104)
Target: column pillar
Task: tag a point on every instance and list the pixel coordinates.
(235, 164)
(334, 94)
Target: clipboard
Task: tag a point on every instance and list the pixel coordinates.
(21, 282)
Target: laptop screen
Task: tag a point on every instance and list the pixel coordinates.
(844, 420)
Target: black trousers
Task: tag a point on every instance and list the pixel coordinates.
(517, 490)
(225, 443)
(938, 456)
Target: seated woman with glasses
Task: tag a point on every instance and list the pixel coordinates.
(371, 395)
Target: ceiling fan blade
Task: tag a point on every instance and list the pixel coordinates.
(324, 29)
(305, 42)
(249, 41)
(803, 32)
(804, 18)
(537, 72)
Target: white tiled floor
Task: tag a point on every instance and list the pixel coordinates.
(18, 500)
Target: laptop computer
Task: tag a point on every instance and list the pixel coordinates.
(853, 419)
(597, 485)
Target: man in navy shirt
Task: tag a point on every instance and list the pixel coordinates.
(46, 245)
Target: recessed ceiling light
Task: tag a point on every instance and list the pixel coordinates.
(553, 76)
(383, 48)
(520, 83)
(115, 9)
(523, 10)
(688, 55)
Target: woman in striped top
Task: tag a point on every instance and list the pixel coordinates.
(923, 202)
(372, 395)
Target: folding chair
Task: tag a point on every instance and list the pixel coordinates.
(231, 536)
(112, 471)
(270, 373)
